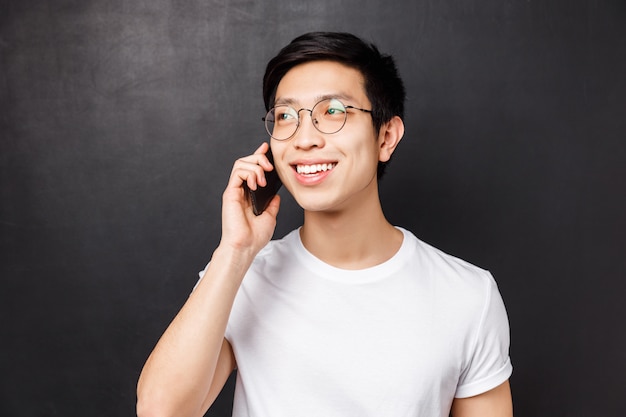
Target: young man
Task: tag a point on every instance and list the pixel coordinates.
(348, 315)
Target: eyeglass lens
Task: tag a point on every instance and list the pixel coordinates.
(328, 116)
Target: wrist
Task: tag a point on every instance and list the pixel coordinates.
(238, 258)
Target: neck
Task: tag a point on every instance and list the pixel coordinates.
(356, 238)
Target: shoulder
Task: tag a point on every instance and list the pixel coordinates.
(444, 265)
(278, 249)
(452, 279)
(277, 258)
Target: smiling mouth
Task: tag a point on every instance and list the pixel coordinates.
(314, 169)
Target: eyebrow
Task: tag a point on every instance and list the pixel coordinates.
(292, 101)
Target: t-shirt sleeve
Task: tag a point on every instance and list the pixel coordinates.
(200, 275)
(488, 363)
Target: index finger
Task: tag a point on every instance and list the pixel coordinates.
(265, 163)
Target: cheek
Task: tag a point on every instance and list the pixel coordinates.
(370, 149)
(279, 166)
(364, 160)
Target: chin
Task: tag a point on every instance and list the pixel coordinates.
(316, 206)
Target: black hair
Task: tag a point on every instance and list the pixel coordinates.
(383, 86)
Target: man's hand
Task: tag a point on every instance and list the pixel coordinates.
(241, 229)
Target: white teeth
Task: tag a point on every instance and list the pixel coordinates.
(313, 169)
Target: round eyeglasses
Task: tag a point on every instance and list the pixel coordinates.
(328, 116)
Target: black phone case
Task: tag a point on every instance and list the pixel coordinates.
(261, 197)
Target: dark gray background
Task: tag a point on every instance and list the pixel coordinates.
(119, 122)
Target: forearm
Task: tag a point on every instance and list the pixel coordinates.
(178, 374)
(179, 378)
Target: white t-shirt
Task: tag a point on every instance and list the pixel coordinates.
(402, 338)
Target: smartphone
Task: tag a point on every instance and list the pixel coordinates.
(261, 197)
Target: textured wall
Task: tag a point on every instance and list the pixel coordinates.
(119, 122)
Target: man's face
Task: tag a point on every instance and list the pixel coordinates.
(328, 172)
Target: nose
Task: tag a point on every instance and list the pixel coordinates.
(307, 136)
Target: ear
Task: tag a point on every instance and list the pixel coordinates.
(389, 137)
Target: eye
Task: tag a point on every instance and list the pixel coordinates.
(335, 107)
(285, 114)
